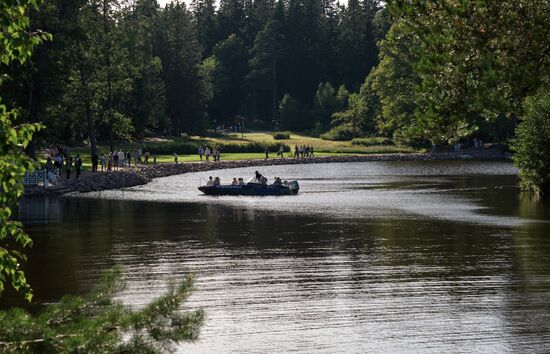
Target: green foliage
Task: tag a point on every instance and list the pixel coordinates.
(532, 144)
(229, 77)
(174, 69)
(16, 43)
(293, 114)
(357, 42)
(354, 116)
(97, 323)
(395, 83)
(475, 58)
(339, 133)
(182, 70)
(13, 165)
(342, 97)
(372, 141)
(281, 135)
(325, 103)
(191, 147)
(267, 54)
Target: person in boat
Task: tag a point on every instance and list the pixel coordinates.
(235, 182)
(278, 181)
(263, 181)
(258, 176)
(210, 181)
(217, 181)
(241, 181)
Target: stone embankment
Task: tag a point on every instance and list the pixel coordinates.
(135, 176)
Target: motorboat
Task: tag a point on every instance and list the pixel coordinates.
(252, 187)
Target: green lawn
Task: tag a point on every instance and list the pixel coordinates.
(321, 147)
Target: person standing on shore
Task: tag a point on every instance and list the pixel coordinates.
(154, 159)
(129, 158)
(266, 153)
(49, 164)
(218, 155)
(281, 152)
(201, 152)
(69, 166)
(215, 153)
(115, 161)
(207, 153)
(78, 165)
(176, 158)
(95, 160)
(296, 153)
(58, 161)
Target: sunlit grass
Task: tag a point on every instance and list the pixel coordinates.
(321, 147)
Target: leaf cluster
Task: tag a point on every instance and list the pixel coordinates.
(16, 44)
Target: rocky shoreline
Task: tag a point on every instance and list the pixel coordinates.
(143, 174)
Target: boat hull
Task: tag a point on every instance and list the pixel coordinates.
(248, 189)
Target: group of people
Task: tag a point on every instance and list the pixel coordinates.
(303, 151)
(215, 181)
(115, 160)
(258, 178)
(61, 159)
(207, 153)
(459, 146)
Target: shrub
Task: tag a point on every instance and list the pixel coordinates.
(167, 148)
(191, 147)
(293, 114)
(339, 133)
(316, 130)
(532, 145)
(281, 135)
(372, 141)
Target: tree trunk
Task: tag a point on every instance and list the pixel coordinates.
(107, 56)
(274, 78)
(30, 150)
(88, 109)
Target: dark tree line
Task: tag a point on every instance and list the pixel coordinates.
(120, 69)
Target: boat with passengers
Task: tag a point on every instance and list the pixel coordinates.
(257, 185)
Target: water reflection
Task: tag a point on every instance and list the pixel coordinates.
(392, 259)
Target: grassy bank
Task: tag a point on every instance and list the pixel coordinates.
(237, 147)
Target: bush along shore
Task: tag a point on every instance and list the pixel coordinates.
(143, 174)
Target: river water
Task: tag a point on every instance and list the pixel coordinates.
(369, 257)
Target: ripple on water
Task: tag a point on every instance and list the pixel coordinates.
(427, 189)
(371, 257)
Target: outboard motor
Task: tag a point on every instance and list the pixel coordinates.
(294, 187)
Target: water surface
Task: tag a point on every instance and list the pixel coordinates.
(369, 257)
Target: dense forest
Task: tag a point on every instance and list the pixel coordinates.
(120, 69)
(427, 72)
